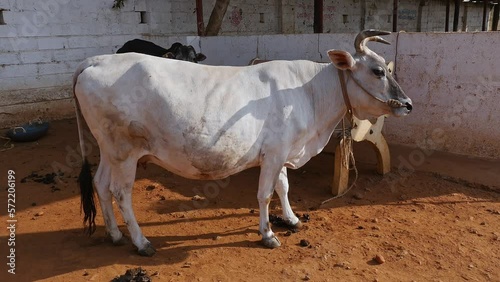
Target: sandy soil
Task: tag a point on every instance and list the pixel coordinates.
(429, 227)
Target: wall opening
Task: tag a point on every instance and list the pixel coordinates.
(144, 17)
(2, 21)
(344, 19)
(261, 18)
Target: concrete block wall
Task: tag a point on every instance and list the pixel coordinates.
(297, 16)
(249, 17)
(43, 41)
(352, 16)
(472, 17)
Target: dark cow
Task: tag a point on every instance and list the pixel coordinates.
(176, 51)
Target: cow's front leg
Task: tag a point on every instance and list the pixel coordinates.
(282, 189)
(267, 181)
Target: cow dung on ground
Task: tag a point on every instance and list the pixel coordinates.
(133, 275)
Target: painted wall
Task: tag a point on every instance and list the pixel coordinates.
(352, 16)
(454, 80)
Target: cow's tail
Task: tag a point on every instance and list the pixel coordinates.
(85, 179)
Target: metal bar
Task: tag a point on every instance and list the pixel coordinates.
(318, 16)
(456, 15)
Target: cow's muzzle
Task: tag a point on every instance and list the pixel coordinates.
(400, 108)
(393, 103)
(409, 107)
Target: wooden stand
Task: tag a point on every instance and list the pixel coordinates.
(363, 130)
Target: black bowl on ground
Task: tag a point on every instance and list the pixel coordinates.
(28, 132)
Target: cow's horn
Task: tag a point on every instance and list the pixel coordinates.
(369, 35)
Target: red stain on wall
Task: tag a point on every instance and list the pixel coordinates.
(329, 12)
(305, 11)
(236, 16)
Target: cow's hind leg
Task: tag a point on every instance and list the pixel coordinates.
(122, 182)
(102, 182)
(282, 190)
(267, 180)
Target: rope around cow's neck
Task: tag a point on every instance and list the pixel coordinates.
(346, 142)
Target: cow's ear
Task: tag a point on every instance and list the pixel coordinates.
(341, 59)
(169, 55)
(390, 67)
(200, 57)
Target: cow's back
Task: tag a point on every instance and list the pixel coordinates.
(210, 121)
(208, 134)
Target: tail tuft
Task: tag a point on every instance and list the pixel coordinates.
(87, 198)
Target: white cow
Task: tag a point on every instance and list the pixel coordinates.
(209, 122)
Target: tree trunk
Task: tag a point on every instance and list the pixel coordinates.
(215, 21)
(199, 18)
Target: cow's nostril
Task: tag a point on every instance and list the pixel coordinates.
(409, 107)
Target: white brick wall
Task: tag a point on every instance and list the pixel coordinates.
(19, 70)
(9, 59)
(30, 57)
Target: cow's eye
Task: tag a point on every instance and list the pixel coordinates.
(378, 72)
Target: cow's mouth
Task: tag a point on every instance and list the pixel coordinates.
(409, 107)
(398, 108)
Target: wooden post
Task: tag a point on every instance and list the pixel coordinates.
(383, 156)
(496, 12)
(419, 15)
(215, 21)
(485, 15)
(456, 15)
(363, 15)
(366, 131)
(363, 130)
(340, 173)
(465, 15)
(199, 18)
(395, 16)
(318, 16)
(447, 24)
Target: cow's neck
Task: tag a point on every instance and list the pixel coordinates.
(329, 105)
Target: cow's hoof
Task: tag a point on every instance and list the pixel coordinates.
(122, 241)
(272, 242)
(297, 225)
(148, 251)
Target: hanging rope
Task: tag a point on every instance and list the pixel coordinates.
(347, 156)
(346, 150)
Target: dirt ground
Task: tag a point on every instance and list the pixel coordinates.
(428, 227)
